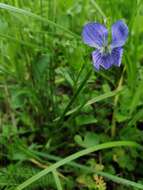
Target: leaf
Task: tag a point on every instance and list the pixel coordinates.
(136, 117)
(65, 74)
(136, 97)
(90, 139)
(121, 118)
(27, 120)
(3, 26)
(41, 66)
(85, 120)
(124, 160)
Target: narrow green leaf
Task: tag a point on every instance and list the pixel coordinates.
(57, 180)
(74, 97)
(111, 177)
(75, 156)
(92, 101)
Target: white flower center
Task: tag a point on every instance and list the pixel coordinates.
(105, 50)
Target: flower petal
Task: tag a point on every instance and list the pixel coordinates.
(97, 59)
(119, 34)
(107, 61)
(104, 61)
(117, 56)
(95, 35)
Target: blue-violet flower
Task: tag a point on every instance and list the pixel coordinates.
(105, 55)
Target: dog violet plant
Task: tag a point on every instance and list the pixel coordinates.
(106, 54)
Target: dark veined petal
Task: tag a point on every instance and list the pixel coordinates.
(95, 35)
(107, 61)
(117, 56)
(97, 59)
(119, 34)
(104, 61)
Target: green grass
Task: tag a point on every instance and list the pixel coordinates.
(53, 102)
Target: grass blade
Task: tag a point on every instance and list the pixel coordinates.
(74, 97)
(111, 177)
(35, 16)
(57, 180)
(92, 101)
(75, 156)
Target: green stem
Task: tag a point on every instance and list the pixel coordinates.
(75, 156)
(113, 126)
(99, 10)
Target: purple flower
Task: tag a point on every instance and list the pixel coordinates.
(106, 54)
